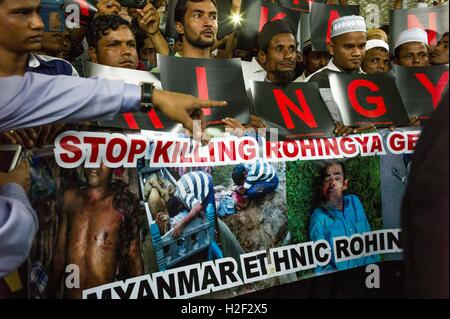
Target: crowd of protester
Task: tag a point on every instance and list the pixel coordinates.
(117, 36)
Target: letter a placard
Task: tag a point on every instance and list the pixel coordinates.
(368, 99)
(322, 16)
(296, 109)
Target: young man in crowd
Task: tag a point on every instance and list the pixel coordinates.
(313, 60)
(22, 34)
(377, 59)
(439, 55)
(347, 47)
(411, 48)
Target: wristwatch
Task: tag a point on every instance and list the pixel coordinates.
(147, 96)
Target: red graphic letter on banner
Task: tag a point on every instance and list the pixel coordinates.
(431, 30)
(264, 17)
(202, 85)
(333, 16)
(380, 109)
(284, 103)
(435, 91)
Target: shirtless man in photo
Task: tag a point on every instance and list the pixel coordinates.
(98, 232)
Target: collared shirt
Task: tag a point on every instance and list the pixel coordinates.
(18, 226)
(192, 188)
(259, 171)
(334, 223)
(44, 64)
(37, 99)
(252, 71)
(301, 78)
(321, 76)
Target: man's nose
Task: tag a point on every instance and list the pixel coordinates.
(357, 52)
(125, 49)
(288, 54)
(36, 22)
(207, 21)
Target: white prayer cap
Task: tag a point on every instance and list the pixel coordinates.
(412, 35)
(376, 44)
(347, 24)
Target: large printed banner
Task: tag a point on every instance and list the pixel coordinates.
(321, 17)
(434, 20)
(422, 88)
(256, 14)
(285, 225)
(220, 80)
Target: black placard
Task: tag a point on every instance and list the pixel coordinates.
(321, 17)
(368, 99)
(299, 5)
(434, 20)
(256, 14)
(295, 109)
(208, 79)
(422, 88)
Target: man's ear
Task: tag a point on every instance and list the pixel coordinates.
(93, 54)
(330, 48)
(345, 185)
(179, 27)
(262, 57)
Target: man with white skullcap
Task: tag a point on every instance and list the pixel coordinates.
(377, 58)
(411, 48)
(348, 45)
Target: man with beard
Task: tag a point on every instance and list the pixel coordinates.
(98, 232)
(278, 51)
(338, 215)
(440, 53)
(196, 22)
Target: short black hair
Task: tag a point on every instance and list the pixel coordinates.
(174, 206)
(100, 26)
(181, 8)
(238, 175)
(323, 171)
(444, 35)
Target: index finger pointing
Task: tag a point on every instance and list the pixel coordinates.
(206, 103)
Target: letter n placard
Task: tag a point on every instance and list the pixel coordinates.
(295, 109)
